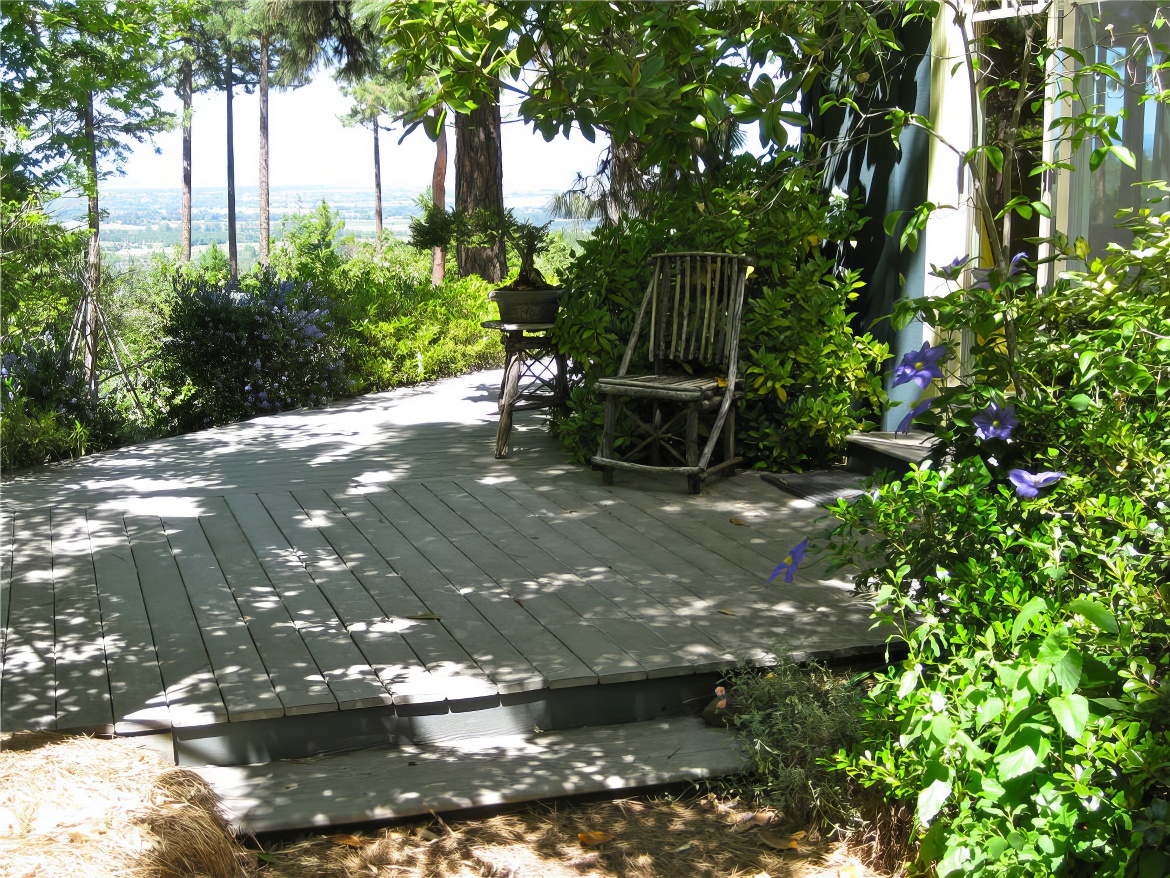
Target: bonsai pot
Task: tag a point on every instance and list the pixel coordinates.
(527, 306)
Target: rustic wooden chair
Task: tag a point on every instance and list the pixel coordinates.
(695, 303)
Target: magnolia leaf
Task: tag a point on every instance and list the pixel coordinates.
(727, 612)
(1072, 712)
(738, 521)
(351, 841)
(1096, 613)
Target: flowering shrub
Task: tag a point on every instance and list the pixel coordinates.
(47, 413)
(1028, 731)
(235, 352)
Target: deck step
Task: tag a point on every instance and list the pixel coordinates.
(388, 784)
(870, 452)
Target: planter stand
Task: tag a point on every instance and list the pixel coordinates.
(527, 351)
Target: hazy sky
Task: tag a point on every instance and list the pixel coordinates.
(309, 146)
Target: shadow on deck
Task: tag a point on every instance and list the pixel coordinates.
(369, 576)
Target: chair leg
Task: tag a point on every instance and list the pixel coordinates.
(729, 440)
(694, 482)
(607, 437)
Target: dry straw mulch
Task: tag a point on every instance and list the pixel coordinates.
(86, 808)
(77, 806)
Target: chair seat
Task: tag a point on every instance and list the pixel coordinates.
(671, 386)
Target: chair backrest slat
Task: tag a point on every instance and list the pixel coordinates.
(696, 302)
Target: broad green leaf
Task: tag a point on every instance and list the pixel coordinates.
(935, 794)
(1080, 402)
(1067, 671)
(989, 710)
(1072, 712)
(1017, 762)
(994, 156)
(1030, 610)
(1096, 613)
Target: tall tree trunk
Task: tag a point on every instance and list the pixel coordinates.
(233, 263)
(479, 183)
(93, 256)
(264, 147)
(377, 189)
(439, 199)
(185, 248)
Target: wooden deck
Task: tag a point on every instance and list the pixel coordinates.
(374, 558)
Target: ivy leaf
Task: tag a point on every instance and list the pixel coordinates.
(1072, 712)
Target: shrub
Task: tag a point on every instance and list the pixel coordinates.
(788, 720)
(1029, 728)
(233, 352)
(810, 379)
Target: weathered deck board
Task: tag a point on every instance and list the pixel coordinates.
(401, 671)
(351, 679)
(277, 564)
(559, 593)
(240, 674)
(193, 697)
(448, 664)
(504, 665)
(83, 686)
(684, 639)
(7, 541)
(29, 691)
(693, 592)
(447, 545)
(137, 693)
(290, 664)
(390, 784)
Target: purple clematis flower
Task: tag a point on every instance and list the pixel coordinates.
(923, 405)
(983, 276)
(920, 366)
(790, 563)
(1028, 485)
(996, 422)
(953, 269)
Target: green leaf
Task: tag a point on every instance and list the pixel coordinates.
(1125, 154)
(1080, 402)
(1021, 759)
(1072, 712)
(1030, 610)
(935, 794)
(995, 156)
(1097, 157)
(1096, 613)
(1067, 671)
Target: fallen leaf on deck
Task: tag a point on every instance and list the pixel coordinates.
(352, 841)
(779, 841)
(425, 617)
(727, 612)
(739, 521)
(591, 838)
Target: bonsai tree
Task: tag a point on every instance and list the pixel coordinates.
(441, 228)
